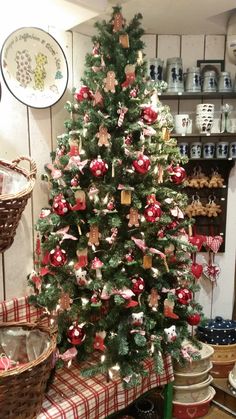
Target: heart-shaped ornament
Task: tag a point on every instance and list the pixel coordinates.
(211, 271)
(214, 242)
(191, 412)
(197, 241)
(196, 269)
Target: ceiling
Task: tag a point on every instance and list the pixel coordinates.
(165, 16)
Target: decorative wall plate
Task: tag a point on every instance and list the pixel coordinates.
(34, 67)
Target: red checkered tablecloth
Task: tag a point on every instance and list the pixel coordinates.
(71, 396)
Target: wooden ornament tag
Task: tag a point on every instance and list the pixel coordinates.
(147, 261)
(124, 40)
(126, 197)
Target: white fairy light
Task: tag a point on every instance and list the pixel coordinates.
(110, 373)
(103, 358)
(48, 286)
(84, 301)
(116, 367)
(71, 263)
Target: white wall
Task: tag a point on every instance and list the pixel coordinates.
(24, 130)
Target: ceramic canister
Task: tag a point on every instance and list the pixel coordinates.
(209, 81)
(222, 149)
(155, 69)
(183, 148)
(174, 75)
(232, 150)
(193, 80)
(181, 122)
(224, 82)
(208, 150)
(196, 150)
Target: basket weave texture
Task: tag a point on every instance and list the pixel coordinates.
(12, 205)
(22, 388)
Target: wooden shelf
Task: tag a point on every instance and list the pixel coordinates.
(200, 135)
(198, 95)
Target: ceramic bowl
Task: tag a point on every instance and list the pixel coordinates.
(193, 393)
(198, 365)
(221, 369)
(193, 410)
(232, 377)
(187, 379)
(224, 353)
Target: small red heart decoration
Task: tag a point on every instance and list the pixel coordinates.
(196, 269)
(197, 241)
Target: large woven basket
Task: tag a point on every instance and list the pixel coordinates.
(12, 204)
(22, 388)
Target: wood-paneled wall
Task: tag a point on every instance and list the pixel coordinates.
(27, 131)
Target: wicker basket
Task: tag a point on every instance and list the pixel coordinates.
(22, 388)
(12, 205)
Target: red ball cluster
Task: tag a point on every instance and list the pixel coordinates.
(184, 296)
(149, 114)
(57, 257)
(152, 213)
(98, 167)
(84, 93)
(141, 164)
(60, 205)
(75, 334)
(138, 285)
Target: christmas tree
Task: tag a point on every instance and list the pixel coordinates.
(113, 265)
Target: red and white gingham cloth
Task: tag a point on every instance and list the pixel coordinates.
(71, 396)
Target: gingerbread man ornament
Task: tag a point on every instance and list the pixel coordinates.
(133, 217)
(93, 235)
(103, 136)
(110, 82)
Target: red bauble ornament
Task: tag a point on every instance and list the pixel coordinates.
(196, 270)
(184, 296)
(98, 167)
(57, 257)
(178, 174)
(75, 334)
(194, 319)
(138, 285)
(149, 114)
(129, 257)
(84, 93)
(141, 164)
(152, 213)
(60, 205)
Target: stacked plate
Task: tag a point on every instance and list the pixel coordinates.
(205, 117)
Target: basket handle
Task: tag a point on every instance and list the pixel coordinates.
(33, 168)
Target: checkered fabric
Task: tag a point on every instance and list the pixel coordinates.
(71, 396)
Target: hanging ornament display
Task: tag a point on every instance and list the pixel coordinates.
(130, 76)
(110, 82)
(137, 319)
(80, 199)
(149, 114)
(152, 212)
(141, 164)
(147, 261)
(118, 22)
(82, 256)
(133, 217)
(177, 174)
(153, 299)
(76, 334)
(138, 285)
(121, 112)
(196, 270)
(169, 305)
(211, 271)
(124, 40)
(194, 319)
(57, 257)
(93, 235)
(60, 205)
(170, 334)
(103, 136)
(98, 99)
(98, 167)
(183, 295)
(126, 197)
(96, 265)
(84, 93)
(98, 342)
(65, 301)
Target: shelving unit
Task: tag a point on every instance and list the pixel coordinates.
(207, 225)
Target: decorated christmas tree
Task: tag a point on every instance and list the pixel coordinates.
(113, 255)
